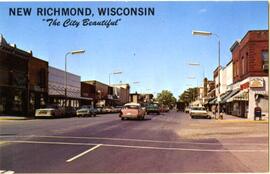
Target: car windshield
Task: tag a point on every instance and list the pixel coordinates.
(132, 107)
(198, 109)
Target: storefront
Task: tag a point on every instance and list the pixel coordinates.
(249, 93)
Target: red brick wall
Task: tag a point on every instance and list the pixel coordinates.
(249, 53)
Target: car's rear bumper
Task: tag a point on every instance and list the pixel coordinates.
(199, 115)
(130, 116)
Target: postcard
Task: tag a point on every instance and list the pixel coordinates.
(134, 87)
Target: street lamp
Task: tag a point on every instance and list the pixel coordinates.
(197, 64)
(117, 72)
(205, 33)
(72, 53)
(135, 83)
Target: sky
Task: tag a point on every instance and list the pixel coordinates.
(152, 50)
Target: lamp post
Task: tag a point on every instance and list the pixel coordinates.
(72, 53)
(205, 33)
(197, 64)
(118, 72)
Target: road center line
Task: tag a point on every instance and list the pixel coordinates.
(141, 147)
(83, 153)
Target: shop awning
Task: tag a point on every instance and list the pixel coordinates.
(232, 93)
(214, 101)
(240, 96)
(223, 96)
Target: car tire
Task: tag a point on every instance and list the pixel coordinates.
(122, 118)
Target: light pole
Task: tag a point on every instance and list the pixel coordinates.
(197, 64)
(70, 52)
(118, 72)
(205, 33)
(136, 82)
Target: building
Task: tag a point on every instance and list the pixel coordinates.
(103, 93)
(38, 83)
(23, 82)
(121, 93)
(250, 74)
(88, 91)
(57, 88)
(13, 79)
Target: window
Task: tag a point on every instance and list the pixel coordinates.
(243, 66)
(265, 60)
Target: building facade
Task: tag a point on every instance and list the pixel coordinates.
(101, 93)
(38, 83)
(13, 79)
(121, 93)
(57, 88)
(250, 74)
(23, 81)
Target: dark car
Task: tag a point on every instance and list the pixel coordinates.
(153, 108)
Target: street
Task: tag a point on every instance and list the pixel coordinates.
(170, 142)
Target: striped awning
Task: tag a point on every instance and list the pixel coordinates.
(240, 96)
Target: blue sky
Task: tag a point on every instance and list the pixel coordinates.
(153, 50)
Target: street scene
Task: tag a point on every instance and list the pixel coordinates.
(134, 87)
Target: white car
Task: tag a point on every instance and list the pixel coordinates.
(50, 111)
(198, 111)
(132, 110)
(86, 110)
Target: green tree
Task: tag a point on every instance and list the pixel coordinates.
(166, 98)
(188, 95)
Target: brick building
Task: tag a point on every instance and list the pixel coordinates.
(101, 93)
(38, 83)
(250, 74)
(23, 81)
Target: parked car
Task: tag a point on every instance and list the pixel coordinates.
(198, 111)
(70, 111)
(50, 111)
(132, 110)
(86, 110)
(153, 108)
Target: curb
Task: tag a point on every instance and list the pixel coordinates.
(14, 118)
(243, 121)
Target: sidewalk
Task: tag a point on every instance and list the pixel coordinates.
(9, 117)
(231, 118)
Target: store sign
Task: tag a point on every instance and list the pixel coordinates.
(244, 86)
(256, 83)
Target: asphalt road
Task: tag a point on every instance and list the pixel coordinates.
(107, 144)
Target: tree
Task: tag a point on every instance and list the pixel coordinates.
(188, 95)
(166, 98)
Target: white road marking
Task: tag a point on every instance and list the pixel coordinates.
(83, 153)
(141, 140)
(140, 147)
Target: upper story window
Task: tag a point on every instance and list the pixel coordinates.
(265, 60)
(243, 65)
